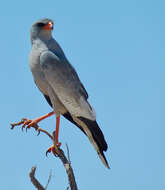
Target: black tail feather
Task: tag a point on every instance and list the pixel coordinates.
(98, 138)
(96, 133)
(93, 127)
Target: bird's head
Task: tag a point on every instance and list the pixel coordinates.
(42, 28)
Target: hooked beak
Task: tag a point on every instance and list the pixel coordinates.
(48, 26)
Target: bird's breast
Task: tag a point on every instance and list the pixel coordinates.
(38, 75)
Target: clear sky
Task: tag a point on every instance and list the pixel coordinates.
(118, 50)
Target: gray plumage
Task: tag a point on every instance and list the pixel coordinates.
(58, 81)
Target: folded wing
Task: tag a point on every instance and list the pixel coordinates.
(63, 79)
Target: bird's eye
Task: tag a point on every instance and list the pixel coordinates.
(40, 24)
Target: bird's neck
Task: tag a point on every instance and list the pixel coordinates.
(44, 36)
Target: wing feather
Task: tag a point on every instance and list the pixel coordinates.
(65, 82)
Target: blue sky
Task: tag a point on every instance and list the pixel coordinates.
(117, 48)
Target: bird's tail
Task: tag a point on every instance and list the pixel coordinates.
(94, 133)
(96, 137)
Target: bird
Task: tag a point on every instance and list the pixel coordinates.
(59, 83)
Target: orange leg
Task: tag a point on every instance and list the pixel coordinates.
(29, 123)
(57, 128)
(58, 144)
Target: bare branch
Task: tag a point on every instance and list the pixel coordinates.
(68, 168)
(34, 181)
(57, 153)
(60, 153)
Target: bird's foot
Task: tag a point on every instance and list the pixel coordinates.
(53, 149)
(28, 123)
(31, 123)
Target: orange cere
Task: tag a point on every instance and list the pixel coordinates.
(48, 26)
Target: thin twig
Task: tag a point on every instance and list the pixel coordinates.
(50, 176)
(46, 132)
(68, 154)
(35, 127)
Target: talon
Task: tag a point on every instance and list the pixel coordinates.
(53, 149)
(25, 122)
(29, 123)
(27, 128)
(49, 151)
(38, 131)
(12, 126)
(58, 144)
